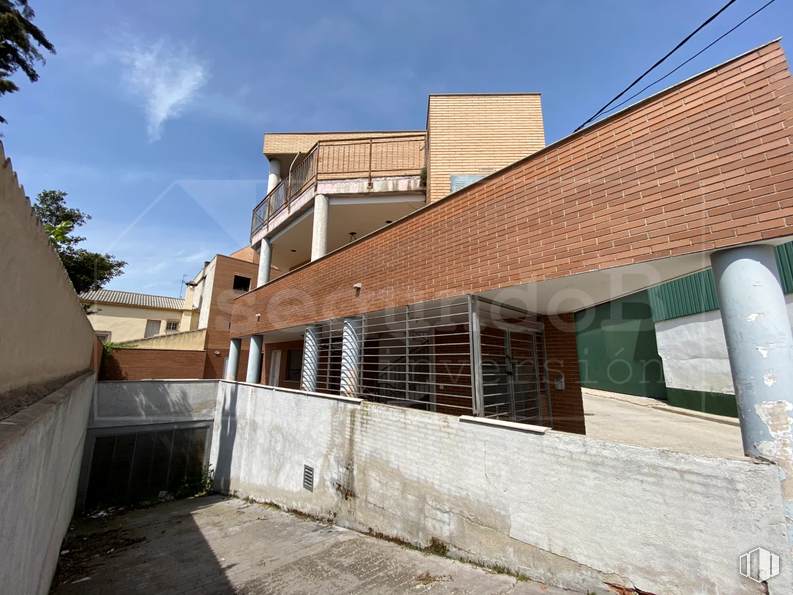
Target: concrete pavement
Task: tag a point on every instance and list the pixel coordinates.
(219, 545)
(648, 422)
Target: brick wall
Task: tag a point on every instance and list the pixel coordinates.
(706, 164)
(268, 353)
(479, 134)
(389, 157)
(567, 407)
(142, 364)
(290, 143)
(220, 308)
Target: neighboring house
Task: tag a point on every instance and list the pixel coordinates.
(123, 316)
(208, 298)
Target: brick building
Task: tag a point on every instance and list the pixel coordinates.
(201, 349)
(467, 303)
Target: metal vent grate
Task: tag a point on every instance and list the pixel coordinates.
(308, 478)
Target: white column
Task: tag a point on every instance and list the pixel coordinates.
(319, 237)
(760, 348)
(308, 377)
(351, 356)
(254, 375)
(265, 261)
(234, 359)
(275, 175)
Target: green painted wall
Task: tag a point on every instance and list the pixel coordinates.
(715, 403)
(696, 293)
(617, 350)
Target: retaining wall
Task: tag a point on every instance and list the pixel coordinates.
(40, 452)
(152, 401)
(46, 337)
(560, 508)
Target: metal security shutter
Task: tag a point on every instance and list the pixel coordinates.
(152, 328)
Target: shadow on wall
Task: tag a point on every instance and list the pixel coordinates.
(147, 402)
(227, 433)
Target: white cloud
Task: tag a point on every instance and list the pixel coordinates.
(167, 78)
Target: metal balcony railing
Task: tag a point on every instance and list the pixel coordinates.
(340, 159)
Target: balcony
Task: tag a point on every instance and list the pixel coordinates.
(365, 160)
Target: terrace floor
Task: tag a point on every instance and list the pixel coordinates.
(220, 545)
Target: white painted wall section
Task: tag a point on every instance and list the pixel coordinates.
(694, 351)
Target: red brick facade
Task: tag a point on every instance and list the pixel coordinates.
(143, 364)
(567, 407)
(706, 164)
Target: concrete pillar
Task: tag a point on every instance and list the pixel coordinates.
(234, 359)
(319, 237)
(254, 375)
(760, 348)
(265, 260)
(275, 175)
(352, 332)
(311, 342)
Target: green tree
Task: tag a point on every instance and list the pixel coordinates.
(87, 270)
(20, 40)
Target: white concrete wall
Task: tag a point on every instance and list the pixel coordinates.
(143, 402)
(563, 509)
(40, 452)
(45, 334)
(694, 351)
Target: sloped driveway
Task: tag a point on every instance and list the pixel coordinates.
(219, 545)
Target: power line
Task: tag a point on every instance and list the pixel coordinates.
(648, 71)
(619, 105)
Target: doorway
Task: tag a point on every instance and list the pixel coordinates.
(512, 379)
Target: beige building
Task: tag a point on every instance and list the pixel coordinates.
(122, 316)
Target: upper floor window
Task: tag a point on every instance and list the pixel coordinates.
(242, 283)
(172, 326)
(152, 328)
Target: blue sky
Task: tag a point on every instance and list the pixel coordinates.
(151, 115)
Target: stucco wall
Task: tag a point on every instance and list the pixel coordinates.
(694, 351)
(40, 451)
(45, 334)
(194, 340)
(126, 323)
(560, 508)
(152, 402)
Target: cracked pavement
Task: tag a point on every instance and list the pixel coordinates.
(220, 545)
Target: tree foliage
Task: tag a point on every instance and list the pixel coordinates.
(20, 41)
(87, 270)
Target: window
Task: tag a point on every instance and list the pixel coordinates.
(172, 326)
(152, 328)
(103, 336)
(242, 283)
(458, 182)
(294, 364)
